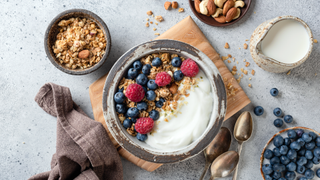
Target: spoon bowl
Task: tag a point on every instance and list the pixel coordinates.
(224, 164)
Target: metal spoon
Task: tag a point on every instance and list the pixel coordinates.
(224, 164)
(220, 144)
(242, 132)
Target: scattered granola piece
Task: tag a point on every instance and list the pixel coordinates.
(244, 60)
(247, 64)
(154, 29)
(226, 46)
(241, 69)
(233, 59)
(166, 120)
(289, 72)
(245, 72)
(147, 19)
(315, 41)
(229, 61)
(147, 24)
(149, 13)
(156, 23)
(152, 15)
(224, 58)
(249, 85)
(158, 34)
(159, 18)
(229, 55)
(247, 39)
(252, 72)
(250, 78)
(151, 22)
(245, 46)
(181, 10)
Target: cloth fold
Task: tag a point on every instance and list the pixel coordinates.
(84, 151)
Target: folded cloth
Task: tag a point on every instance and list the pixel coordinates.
(84, 151)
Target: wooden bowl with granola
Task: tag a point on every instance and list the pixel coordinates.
(77, 42)
(164, 101)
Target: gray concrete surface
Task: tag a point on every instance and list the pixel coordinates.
(27, 133)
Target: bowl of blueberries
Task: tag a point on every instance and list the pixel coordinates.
(293, 153)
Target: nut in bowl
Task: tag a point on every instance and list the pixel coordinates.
(77, 42)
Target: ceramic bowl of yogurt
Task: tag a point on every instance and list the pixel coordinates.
(197, 121)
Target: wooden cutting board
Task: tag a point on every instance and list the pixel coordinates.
(186, 31)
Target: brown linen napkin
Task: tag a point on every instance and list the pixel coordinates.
(84, 151)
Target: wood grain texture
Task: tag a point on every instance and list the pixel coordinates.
(186, 31)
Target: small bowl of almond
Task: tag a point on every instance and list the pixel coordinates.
(77, 42)
(219, 12)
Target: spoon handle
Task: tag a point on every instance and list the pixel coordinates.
(206, 167)
(236, 170)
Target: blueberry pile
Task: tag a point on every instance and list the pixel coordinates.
(296, 153)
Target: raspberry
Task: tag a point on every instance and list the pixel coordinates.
(163, 79)
(144, 125)
(189, 68)
(135, 92)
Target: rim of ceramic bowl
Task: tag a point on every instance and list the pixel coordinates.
(271, 139)
(271, 24)
(141, 149)
(52, 31)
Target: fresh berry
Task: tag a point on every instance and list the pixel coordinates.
(121, 108)
(268, 177)
(295, 146)
(288, 118)
(146, 69)
(302, 152)
(156, 62)
(274, 92)
(132, 73)
(303, 178)
(292, 134)
(176, 62)
(154, 114)
(318, 141)
(119, 97)
(309, 174)
(291, 166)
(316, 152)
(145, 89)
(137, 65)
(306, 137)
(135, 92)
(163, 79)
(308, 154)
(151, 95)
(133, 112)
(318, 173)
(127, 123)
(287, 141)
(278, 167)
(178, 75)
(299, 133)
(258, 111)
(315, 160)
(274, 160)
(189, 68)
(301, 169)
(144, 125)
(284, 160)
(276, 152)
(162, 100)
(276, 175)
(267, 169)
(278, 123)
(142, 106)
(292, 154)
(302, 161)
(142, 137)
(310, 145)
(301, 142)
(159, 104)
(313, 135)
(309, 164)
(152, 84)
(268, 154)
(290, 175)
(284, 149)
(277, 112)
(142, 79)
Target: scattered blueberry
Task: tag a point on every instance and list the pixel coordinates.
(152, 84)
(154, 114)
(301, 169)
(274, 160)
(159, 104)
(301, 142)
(309, 174)
(277, 112)
(156, 62)
(151, 95)
(292, 134)
(291, 166)
(119, 97)
(178, 75)
(121, 108)
(146, 69)
(318, 173)
(132, 73)
(295, 146)
(290, 175)
(284, 160)
(258, 111)
(127, 123)
(284, 149)
(268, 154)
(302, 161)
(299, 132)
(142, 106)
(137, 65)
(278, 123)
(276, 152)
(316, 152)
(310, 145)
(142, 137)
(306, 137)
(267, 169)
(278, 141)
(176, 62)
(288, 118)
(142, 79)
(292, 154)
(309, 164)
(133, 112)
(274, 92)
(287, 141)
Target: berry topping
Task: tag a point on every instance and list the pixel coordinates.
(151, 95)
(156, 62)
(119, 97)
(127, 123)
(135, 92)
(142, 79)
(137, 65)
(154, 114)
(176, 62)
(189, 68)
(144, 125)
(132, 73)
(146, 69)
(142, 137)
(163, 79)
(178, 75)
(152, 84)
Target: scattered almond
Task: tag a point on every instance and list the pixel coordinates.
(245, 46)
(158, 34)
(221, 19)
(228, 5)
(151, 22)
(156, 23)
(229, 55)
(226, 46)
(197, 5)
(147, 24)
(167, 5)
(315, 41)
(154, 29)
(211, 7)
(249, 85)
(181, 10)
(159, 18)
(252, 72)
(84, 54)
(232, 13)
(247, 64)
(174, 4)
(245, 72)
(229, 61)
(149, 13)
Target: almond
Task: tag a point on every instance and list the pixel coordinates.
(220, 19)
(173, 88)
(231, 14)
(174, 4)
(84, 54)
(167, 5)
(211, 7)
(197, 5)
(228, 5)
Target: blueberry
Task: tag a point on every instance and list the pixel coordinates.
(145, 89)
(282, 178)
(274, 160)
(142, 137)
(315, 160)
(316, 152)
(176, 62)
(278, 167)
(299, 132)
(268, 154)
(310, 145)
(154, 114)
(306, 137)
(146, 69)
(162, 100)
(132, 73)
(301, 142)
(287, 141)
(291, 166)
(302, 152)
(142, 106)
(295, 146)
(258, 111)
(276, 152)
(309, 174)
(292, 154)
(133, 112)
(121, 90)
(159, 104)
(318, 141)
(134, 120)
(318, 173)
(274, 92)
(290, 175)
(121, 108)
(284, 160)
(309, 164)
(151, 95)
(277, 112)
(276, 175)
(152, 84)
(284, 149)
(268, 177)
(292, 134)
(178, 75)
(302, 161)
(142, 79)
(137, 65)
(119, 97)
(303, 178)
(288, 118)
(301, 169)
(278, 141)
(313, 135)
(156, 62)
(127, 123)
(278, 123)
(267, 169)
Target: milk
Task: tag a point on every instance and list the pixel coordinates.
(287, 41)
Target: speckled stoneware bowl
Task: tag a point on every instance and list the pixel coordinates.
(53, 30)
(270, 64)
(270, 145)
(141, 149)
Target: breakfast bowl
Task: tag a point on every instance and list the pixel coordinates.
(284, 133)
(141, 149)
(77, 42)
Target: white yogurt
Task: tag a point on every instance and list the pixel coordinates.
(187, 122)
